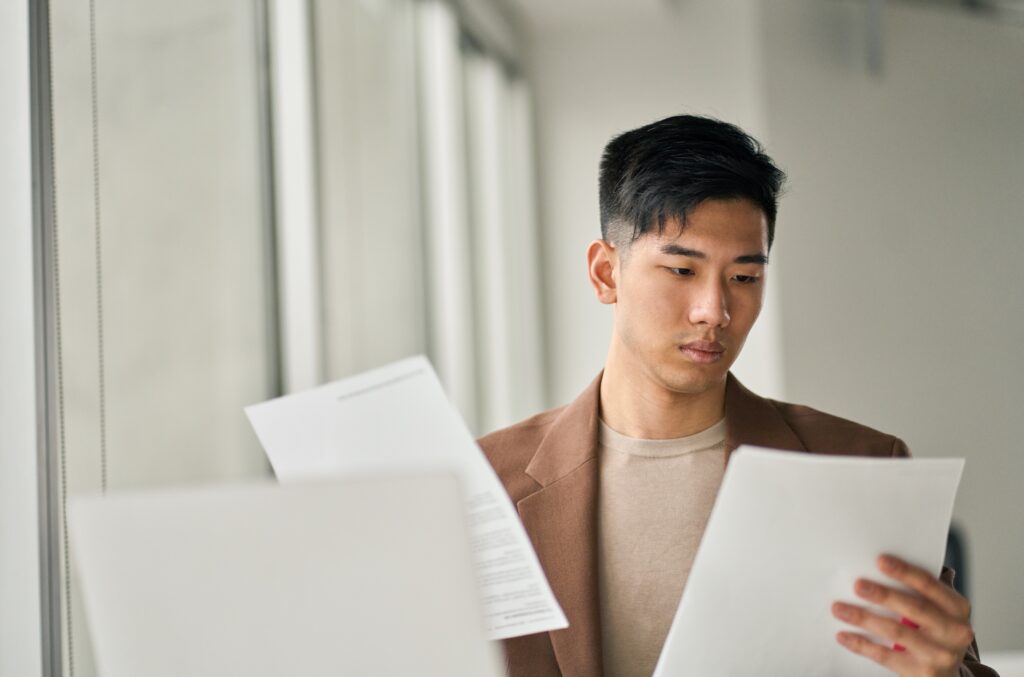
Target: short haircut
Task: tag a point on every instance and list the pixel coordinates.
(662, 171)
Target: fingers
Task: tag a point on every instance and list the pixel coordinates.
(934, 633)
(916, 608)
(884, 656)
(938, 661)
(881, 626)
(953, 632)
(927, 585)
(919, 648)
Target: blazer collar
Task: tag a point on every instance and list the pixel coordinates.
(572, 440)
(754, 420)
(561, 517)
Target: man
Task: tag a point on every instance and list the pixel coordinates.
(615, 489)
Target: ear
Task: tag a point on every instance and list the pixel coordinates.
(602, 268)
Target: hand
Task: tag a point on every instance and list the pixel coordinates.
(935, 631)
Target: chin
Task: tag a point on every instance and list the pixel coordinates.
(694, 380)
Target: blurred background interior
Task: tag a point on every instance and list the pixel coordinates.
(251, 197)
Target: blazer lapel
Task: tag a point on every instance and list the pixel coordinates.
(752, 420)
(561, 519)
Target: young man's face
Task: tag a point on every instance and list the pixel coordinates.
(686, 300)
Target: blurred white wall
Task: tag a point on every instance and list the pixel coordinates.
(595, 78)
(899, 247)
(20, 649)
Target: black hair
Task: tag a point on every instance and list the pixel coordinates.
(665, 169)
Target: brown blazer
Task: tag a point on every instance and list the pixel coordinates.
(548, 464)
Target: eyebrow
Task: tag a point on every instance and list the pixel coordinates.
(676, 250)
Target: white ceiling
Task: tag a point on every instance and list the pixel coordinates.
(545, 14)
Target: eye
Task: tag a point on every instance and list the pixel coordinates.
(746, 279)
(681, 272)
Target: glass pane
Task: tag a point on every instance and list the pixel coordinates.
(165, 301)
(446, 201)
(372, 262)
(20, 647)
(503, 224)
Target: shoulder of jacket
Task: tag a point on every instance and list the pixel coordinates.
(509, 450)
(826, 433)
(519, 438)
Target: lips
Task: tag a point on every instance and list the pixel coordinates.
(703, 352)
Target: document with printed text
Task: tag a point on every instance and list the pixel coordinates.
(788, 536)
(399, 418)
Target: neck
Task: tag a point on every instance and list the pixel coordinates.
(635, 404)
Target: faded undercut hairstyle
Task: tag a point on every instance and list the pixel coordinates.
(660, 172)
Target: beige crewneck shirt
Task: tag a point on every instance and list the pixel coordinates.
(654, 501)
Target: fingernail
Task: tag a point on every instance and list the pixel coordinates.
(898, 647)
(887, 563)
(842, 612)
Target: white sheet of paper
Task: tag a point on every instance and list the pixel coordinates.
(368, 576)
(789, 534)
(396, 418)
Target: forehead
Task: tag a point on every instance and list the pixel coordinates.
(726, 226)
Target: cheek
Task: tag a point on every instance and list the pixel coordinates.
(659, 302)
(746, 307)
(647, 309)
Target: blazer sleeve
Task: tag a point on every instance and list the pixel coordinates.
(971, 665)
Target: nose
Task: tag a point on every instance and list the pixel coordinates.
(711, 305)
